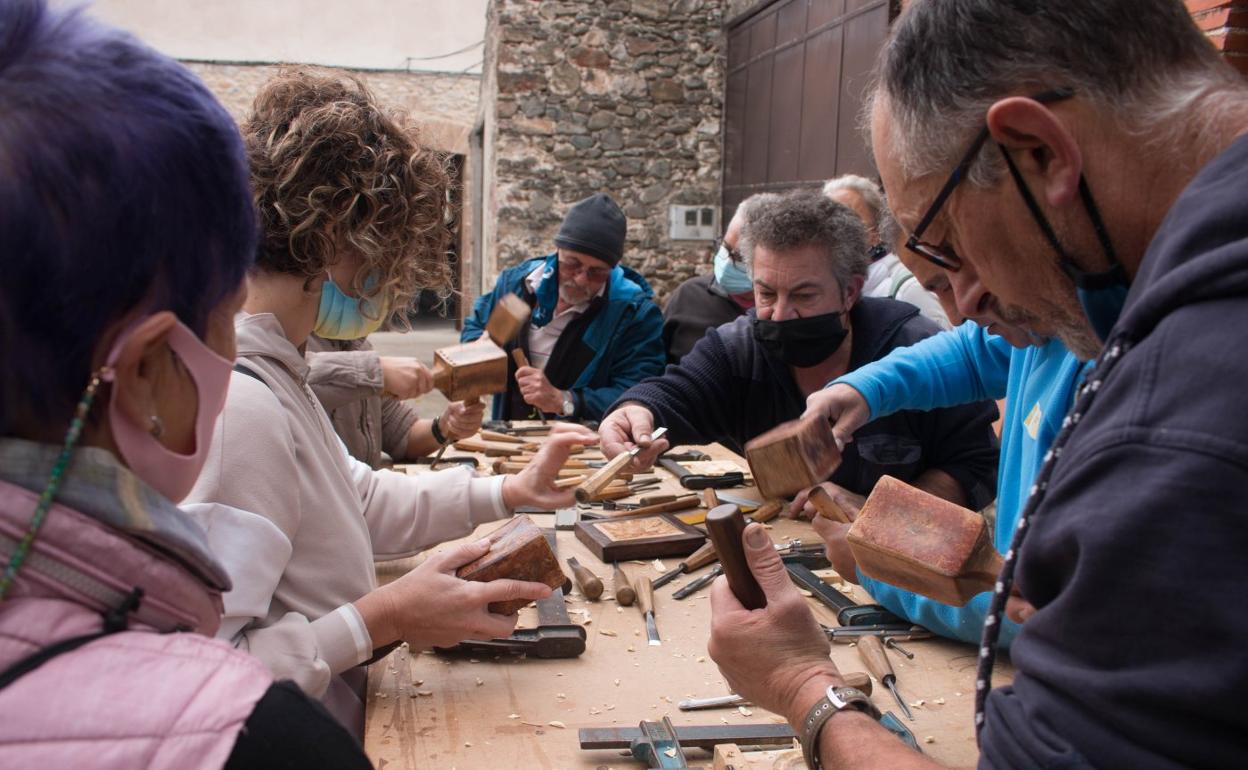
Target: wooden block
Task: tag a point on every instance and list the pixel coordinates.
(639, 537)
(506, 319)
(468, 371)
(921, 543)
(793, 456)
(519, 551)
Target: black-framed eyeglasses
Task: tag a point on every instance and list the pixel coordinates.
(944, 257)
(733, 254)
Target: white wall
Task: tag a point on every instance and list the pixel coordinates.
(361, 34)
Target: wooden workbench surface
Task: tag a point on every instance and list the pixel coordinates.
(434, 711)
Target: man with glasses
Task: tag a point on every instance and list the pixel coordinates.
(810, 324)
(594, 331)
(1097, 194)
(707, 301)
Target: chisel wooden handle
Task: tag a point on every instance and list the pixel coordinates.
(625, 594)
(709, 499)
(645, 595)
(701, 557)
(506, 438)
(571, 481)
(871, 650)
(725, 525)
(827, 507)
(590, 584)
(590, 488)
(767, 511)
(858, 680)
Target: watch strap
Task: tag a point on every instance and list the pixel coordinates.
(834, 701)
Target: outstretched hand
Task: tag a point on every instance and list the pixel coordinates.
(535, 485)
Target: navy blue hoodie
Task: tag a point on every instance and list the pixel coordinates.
(1137, 559)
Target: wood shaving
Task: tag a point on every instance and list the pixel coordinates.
(670, 752)
(557, 723)
(561, 696)
(929, 739)
(532, 724)
(939, 701)
(513, 716)
(701, 658)
(918, 704)
(631, 648)
(419, 682)
(607, 632)
(424, 693)
(617, 682)
(611, 708)
(467, 744)
(659, 566)
(743, 711)
(594, 712)
(805, 593)
(480, 681)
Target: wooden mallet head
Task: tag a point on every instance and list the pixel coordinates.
(506, 319)
(916, 541)
(793, 456)
(468, 371)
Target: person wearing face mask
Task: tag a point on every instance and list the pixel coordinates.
(594, 331)
(990, 358)
(126, 230)
(707, 301)
(352, 213)
(809, 326)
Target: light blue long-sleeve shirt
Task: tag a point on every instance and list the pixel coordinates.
(956, 367)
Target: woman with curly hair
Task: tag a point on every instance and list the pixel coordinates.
(351, 211)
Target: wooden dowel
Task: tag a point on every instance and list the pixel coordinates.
(604, 476)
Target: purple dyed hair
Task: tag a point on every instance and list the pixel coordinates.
(123, 186)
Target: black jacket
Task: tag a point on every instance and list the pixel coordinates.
(697, 305)
(1137, 558)
(728, 389)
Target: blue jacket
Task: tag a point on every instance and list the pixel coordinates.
(1135, 558)
(620, 344)
(960, 366)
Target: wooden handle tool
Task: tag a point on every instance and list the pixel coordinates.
(506, 438)
(570, 481)
(709, 499)
(725, 525)
(827, 507)
(589, 583)
(625, 594)
(607, 473)
(679, 504)
(696, 560)
(645, 602)
(871, 650)
(767, 511)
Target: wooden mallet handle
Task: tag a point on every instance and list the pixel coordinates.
(519, 357)
(827, 507)
(725, 525)
(590, 584)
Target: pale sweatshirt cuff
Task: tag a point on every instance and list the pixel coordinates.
(485, 499)
(342, 639)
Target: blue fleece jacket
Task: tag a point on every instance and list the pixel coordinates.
(621, 344)
(960, 366)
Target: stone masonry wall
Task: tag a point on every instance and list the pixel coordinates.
(445, 105)
(620, 97)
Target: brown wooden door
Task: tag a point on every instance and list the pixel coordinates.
(797, 73)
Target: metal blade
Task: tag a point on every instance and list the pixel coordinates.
(652, 630)
(892, 687)
(694, 704)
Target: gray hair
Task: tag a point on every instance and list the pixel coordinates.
(1144, 63)
(803, 218)
(890, 228)
(869, 191)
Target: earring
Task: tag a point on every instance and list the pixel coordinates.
(158, 427)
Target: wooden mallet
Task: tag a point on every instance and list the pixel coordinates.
(793, 456)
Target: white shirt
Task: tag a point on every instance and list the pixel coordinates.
(887, 277)
(542, 341)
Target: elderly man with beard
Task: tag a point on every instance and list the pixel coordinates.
(595, 330)
(1087, 185)
(809, 325)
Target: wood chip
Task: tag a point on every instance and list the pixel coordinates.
(467, 744)
(805, 593)
(617, 682)
(557, 723)
(929, 739)
(744, 711)
(670, 752)
(424, 693)
(939, 701)
(607, 632)
(513, 716)
(480, 681)
(701, 658)
(659, 566)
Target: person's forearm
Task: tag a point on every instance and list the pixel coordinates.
(942, 485)
(420, 440)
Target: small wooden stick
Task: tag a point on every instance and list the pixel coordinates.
(571, 481)
(602, 477)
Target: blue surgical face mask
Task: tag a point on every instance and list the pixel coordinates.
(341, 318)
(727, 274)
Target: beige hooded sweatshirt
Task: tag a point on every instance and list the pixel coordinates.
(298, 522)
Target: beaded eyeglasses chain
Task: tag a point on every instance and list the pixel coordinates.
(54, 483)
(1005, 582)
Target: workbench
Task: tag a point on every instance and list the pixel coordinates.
(428, 710)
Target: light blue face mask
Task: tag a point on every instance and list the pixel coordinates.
(340, 317)
(727, 274)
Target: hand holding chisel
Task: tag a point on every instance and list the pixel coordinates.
(590, 488)
(872, 653)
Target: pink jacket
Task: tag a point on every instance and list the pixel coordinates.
(140, 698)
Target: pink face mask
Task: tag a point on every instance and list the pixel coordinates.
(168, 472)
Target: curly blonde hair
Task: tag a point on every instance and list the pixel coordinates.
(331, 170)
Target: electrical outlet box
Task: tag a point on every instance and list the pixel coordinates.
(693, 223)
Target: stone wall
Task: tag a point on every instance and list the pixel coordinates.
(620, 97)
(445, 105)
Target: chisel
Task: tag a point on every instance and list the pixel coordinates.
(645, 602)
(590, 488)
(589, 583)
(871, 650)
(625, 594)
(517, 355)
(694, 586)
(696, 560)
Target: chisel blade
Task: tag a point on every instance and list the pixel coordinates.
(652, 630)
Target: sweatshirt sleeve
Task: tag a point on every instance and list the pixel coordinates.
(338, 378)
(955, 367)
(962, 623)
(397, 419)
(251, 445)
(407, 514)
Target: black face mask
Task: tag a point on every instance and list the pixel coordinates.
(802, 342)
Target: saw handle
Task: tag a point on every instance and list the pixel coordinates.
(725, 525)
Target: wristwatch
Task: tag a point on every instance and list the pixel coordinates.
(569, 406)
(834, 701)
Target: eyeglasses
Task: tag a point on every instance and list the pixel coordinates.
(570, 268)
(942, 256)
(733, 254)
